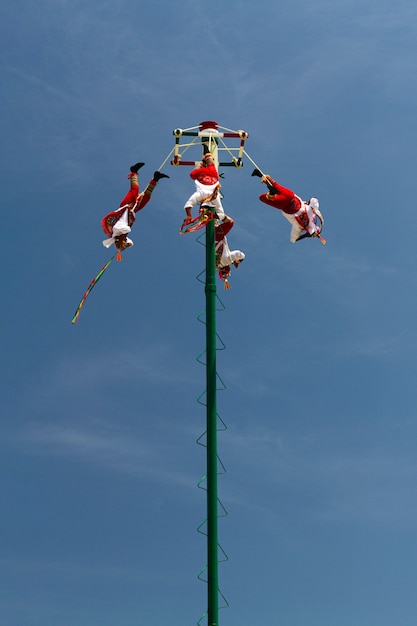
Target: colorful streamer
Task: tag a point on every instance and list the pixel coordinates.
(89, 289)
(198, 222)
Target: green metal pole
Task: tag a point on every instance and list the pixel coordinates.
(212, 497)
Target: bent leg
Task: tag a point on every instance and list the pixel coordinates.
(145, 196)
(278, 202)
(216, 204)
(132, 194)
(195, 198)
(296, 229)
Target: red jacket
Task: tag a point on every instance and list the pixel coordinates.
(206, 175)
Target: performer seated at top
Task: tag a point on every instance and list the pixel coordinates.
(301, 214)
(117, 224)
(225, 257)
(207, 193)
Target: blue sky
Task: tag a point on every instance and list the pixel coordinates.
(99, 465)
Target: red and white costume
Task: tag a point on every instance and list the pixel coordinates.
(119, 222)
(207, 186)
(300, 214)
(224, 256)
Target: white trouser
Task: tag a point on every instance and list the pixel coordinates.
(296, 229)
(204, 192)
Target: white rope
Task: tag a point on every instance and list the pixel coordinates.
(253, 162)
(164, 162)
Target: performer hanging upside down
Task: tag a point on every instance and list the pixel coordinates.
(224, 256)
(117, 224)
(207, 193)
(301, 215)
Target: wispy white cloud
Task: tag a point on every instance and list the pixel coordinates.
(368, 488)
(103, 446)
(342, 265)
(109, 369)
(380, 346)
(81, 571)
(362, 487)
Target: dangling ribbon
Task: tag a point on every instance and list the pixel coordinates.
(89, 289)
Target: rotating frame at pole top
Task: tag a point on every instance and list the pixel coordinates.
(213, 135)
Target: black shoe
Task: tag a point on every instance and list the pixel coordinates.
(158, 175)
(135, 168)
(257, 172)
(304, 235)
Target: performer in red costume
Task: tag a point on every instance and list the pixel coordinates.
(301, 215)
(207, 193)
(117, 224)
(225, 257)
